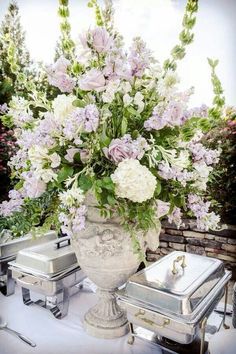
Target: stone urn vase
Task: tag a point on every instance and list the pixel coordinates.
(104, 251)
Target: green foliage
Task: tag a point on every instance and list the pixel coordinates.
(65, 45)
(222, 185)
(38, 212)
(219, 99)
(186, 36)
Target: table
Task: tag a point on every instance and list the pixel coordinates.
(65, 336)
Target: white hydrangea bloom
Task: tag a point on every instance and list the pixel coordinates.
(63, 107)
(133, 181)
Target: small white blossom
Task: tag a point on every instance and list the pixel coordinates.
(71, 197)
(127, 100)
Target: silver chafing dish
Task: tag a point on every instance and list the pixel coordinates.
(8, 251)
(51, 270)
(174, 296)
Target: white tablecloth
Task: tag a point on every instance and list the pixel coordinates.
(65, 336)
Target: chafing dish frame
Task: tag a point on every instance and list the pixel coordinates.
(202, 324)
(61, 285)
(7, 284)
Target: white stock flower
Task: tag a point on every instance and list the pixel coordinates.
(127, 100)
(109, 95)
(46, 174)
(71, 197)
(38, 156)
(125, 87)
(55, 160)
(70, 153)
(62, 106)
(133, 181)
(138, 100)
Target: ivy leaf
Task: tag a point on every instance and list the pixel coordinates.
(64, 173)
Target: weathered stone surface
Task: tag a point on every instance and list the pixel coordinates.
(166, 251)
(229, 248)
(151, 257)
(157, 251)
(185, 226)
(163, 244)
(195, 249)
(231, 241)
(177, 246)
(221, 239)
(171, 238)
(223, 257)
(203, 242)
(193, 234)
(209, 236)
(229, 232)
(174, 232)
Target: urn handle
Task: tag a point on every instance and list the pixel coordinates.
(166, 321)
(177, 260)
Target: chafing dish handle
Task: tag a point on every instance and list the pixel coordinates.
(183, 264)
(24, 282)
(59, 242)
(166, 321)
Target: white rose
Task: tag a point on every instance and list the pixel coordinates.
(63, 107)
(133, 181)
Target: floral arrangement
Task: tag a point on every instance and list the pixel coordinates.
(119, 128)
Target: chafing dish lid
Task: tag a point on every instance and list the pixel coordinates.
(10, 248)
(47, 259)
(177, 283)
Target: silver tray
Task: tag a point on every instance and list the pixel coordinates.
(47, 260)
(176, 284)
(10, 248)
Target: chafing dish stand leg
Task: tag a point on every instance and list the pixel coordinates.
(9, 287)
(225, 307)
(203, 331)
(132, 335)
(59, 311)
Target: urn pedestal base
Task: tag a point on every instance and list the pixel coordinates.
(106, 319)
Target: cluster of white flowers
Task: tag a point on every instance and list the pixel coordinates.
(72, 197)
(63, 107)
(133, 181)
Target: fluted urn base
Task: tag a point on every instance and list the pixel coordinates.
(106, 319)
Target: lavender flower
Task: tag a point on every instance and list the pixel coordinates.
(7, 208)
(58, 77)
(92, 80)
(3, 108)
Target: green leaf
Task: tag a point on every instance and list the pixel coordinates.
(124, 125)
(78, 103)
(158, 188)
(64, 173)
(104, 139)
(111, 200)
(132, 111)
(85, 182)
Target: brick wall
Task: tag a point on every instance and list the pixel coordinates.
(217, 244)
